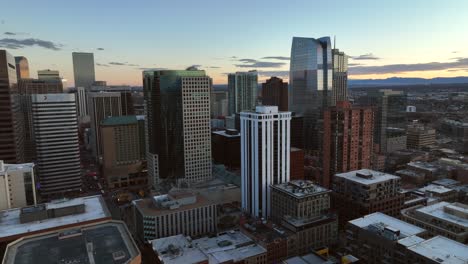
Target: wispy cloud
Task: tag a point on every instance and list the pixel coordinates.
(368, 56)
(353, 64)
(459, 63)
(253, 63)
(101, 64)
(214, 67)
(282, 74)
(276, 58)
(9, 33)
(10, 43)
(100, 48)
(147, 69)
(115, 63)
(455, 51)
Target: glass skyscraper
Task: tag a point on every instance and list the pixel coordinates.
(310, 81)
(242, 88)
(83, 69)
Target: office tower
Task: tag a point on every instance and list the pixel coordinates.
(303, 208)
(275, 92)
(226, 147)
(11, 121)
(297, 164)
(17, 185)
(347, 140)
(35, 86)
(419, 136)
(361, 192)
(242, 88)
(48, 75)
(82, 101)
(123, 151)
(22, 68)
(55, 128)
(101, 106)
(177, 105)
(265, 153)
(390, 112)
(219, 103)
(310, 81)
(83, 69)
(340, 77)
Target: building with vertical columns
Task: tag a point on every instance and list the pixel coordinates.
(11, 122)
(242, 88)
(340, 77)
(55, 133)
(82, 101)
(177, 108)
(275, 92)
(22, 67)
(17, 185)
(347, 140)
(265, 156)
(101, 106)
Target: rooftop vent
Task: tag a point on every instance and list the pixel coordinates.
(365, 174)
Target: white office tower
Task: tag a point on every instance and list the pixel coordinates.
(55, 132)
(82, 101)
(17, 186)
(265, 147)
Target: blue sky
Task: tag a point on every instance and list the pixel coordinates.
(399, 38)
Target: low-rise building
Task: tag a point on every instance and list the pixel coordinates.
(17, 185)
(438, 192)
(443, 218)
(228, 247)
(361, 192)
(104, 243)
(437, 250)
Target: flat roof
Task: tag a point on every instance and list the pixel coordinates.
(446, 182)
(177, 249)
(95, 209)
(18, 167)
(375, 176)
(437, 211)
(410, 241)
(223, 133)
(435, 189)
(300, 188)
(443, 250)
(405, 228)
(103, 243)
(308, 259)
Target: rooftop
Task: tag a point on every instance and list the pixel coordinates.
(443, 250)
(301, 188)
(103, 243)
(311, 258)
(423, 165)
(446, 182)
(94, 209)
(232, 133)
(17, 167)
(437, 189)
(177, 249)
(456, 213)
(366, 176)
(375, 221)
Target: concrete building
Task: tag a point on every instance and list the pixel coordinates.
(310, 84)
(188, 212)
(361, 192)
(178, 126)
(347, 140)
(304, 209)
(83, 69)
(390, 112)
(17, 185)
(226, 147)
(55, 134)
(379, 238)
(340, 77)
(48, 75)
(124, 151)
(419, 136)
(396, 139)
(105, 243)
(437, 250)
(22, 67)
(443, 218)
(228, 247)
(36, 86)
(11, 123)
(242, 88)
(101, 106)
(275, 92)
(56, 215)
(265, 156)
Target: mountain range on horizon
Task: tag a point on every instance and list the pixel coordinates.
(407, 81)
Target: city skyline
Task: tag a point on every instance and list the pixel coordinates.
(395, 43)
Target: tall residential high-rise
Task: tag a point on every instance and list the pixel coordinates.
(22, 67)
(48, 75)
(275, 92)
(177, 107)
(242, 87)
(100, 107)
(265, 156)
(340, 77)
(219, 103)
(390, 113)
(17, 185)
(26, 87)
(310, 81)
(83, 69)
(11, 122)
(347, 140)
(55, 128)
